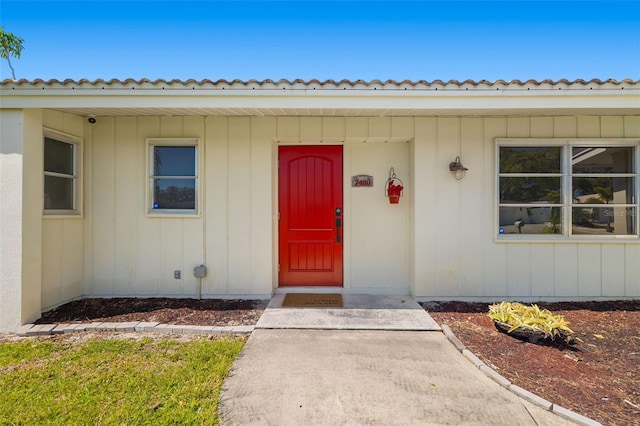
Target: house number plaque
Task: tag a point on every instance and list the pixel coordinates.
(358, 181)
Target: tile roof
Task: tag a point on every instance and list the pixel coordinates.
(325, 98)
(318, 84)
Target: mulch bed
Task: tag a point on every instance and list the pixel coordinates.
(211, 312)
(598, 375)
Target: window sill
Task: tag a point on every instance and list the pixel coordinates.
(173, 214)
(620, 239)
(60, 215)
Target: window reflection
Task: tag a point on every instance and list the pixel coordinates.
(530, 220)
(174, 161)
(592, 187)
(530, 190)
(58, 156)
(58, 193)
(175, 194)
(59, 175)
(174, 177)
(603, 190)
(591, 160)
(604, 220)
(544, 159)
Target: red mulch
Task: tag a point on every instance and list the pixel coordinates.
(212, 312)
(597, 376)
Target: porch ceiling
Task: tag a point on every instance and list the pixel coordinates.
(327, 98)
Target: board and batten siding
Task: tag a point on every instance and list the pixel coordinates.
(129, 252)
(438, 243)
(455, 252)
(62, 236)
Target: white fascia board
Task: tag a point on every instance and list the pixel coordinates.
(339, 99)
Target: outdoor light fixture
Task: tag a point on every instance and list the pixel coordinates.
(457, 169)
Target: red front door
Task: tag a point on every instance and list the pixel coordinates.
(310, 206)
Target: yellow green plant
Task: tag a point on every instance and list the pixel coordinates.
(519, 316)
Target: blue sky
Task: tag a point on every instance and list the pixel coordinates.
(416, 40)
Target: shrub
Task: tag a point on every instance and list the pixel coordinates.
(530, 318)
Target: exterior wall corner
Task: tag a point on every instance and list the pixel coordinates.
(20, 217)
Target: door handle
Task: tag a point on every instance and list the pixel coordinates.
(338, 223)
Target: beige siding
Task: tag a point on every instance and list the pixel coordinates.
(495, 255)
(543, 260)
(508, 270)
(133, 253)
(632, 270)
(425, 166)
(378, 231)
(103, 207)
(262, 209)
(474, 193)
(239, 205)
(126, 195)
(216, 212)
(447, 226)
(130, 252)
(62, 236)
(438, 243)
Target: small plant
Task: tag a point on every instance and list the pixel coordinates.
(530, 321)
(394, 192)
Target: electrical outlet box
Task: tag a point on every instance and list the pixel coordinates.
(177, 274)
(200, 271)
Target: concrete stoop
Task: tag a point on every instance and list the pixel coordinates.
(360, 312)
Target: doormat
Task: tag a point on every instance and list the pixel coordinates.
(310, 300)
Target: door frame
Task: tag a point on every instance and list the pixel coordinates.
(346, 228)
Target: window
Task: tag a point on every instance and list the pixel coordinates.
(567, 189)
(603, 184)
(60, 175)
(173, 176)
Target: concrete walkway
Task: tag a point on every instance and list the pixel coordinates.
(365, 370)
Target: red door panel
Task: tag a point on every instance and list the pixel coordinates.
(310, 191)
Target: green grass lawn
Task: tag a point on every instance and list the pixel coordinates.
(113, 381)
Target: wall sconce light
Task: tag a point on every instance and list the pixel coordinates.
(458, 171)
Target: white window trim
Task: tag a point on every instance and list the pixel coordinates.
(77, 175)
(566, 143)
(152, 142)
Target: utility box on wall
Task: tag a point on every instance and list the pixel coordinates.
(200, 271)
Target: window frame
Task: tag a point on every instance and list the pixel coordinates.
(151, 178)
(567, 203)
(76, 177)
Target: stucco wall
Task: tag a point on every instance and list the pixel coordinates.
(11, 165)
(20, 230)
